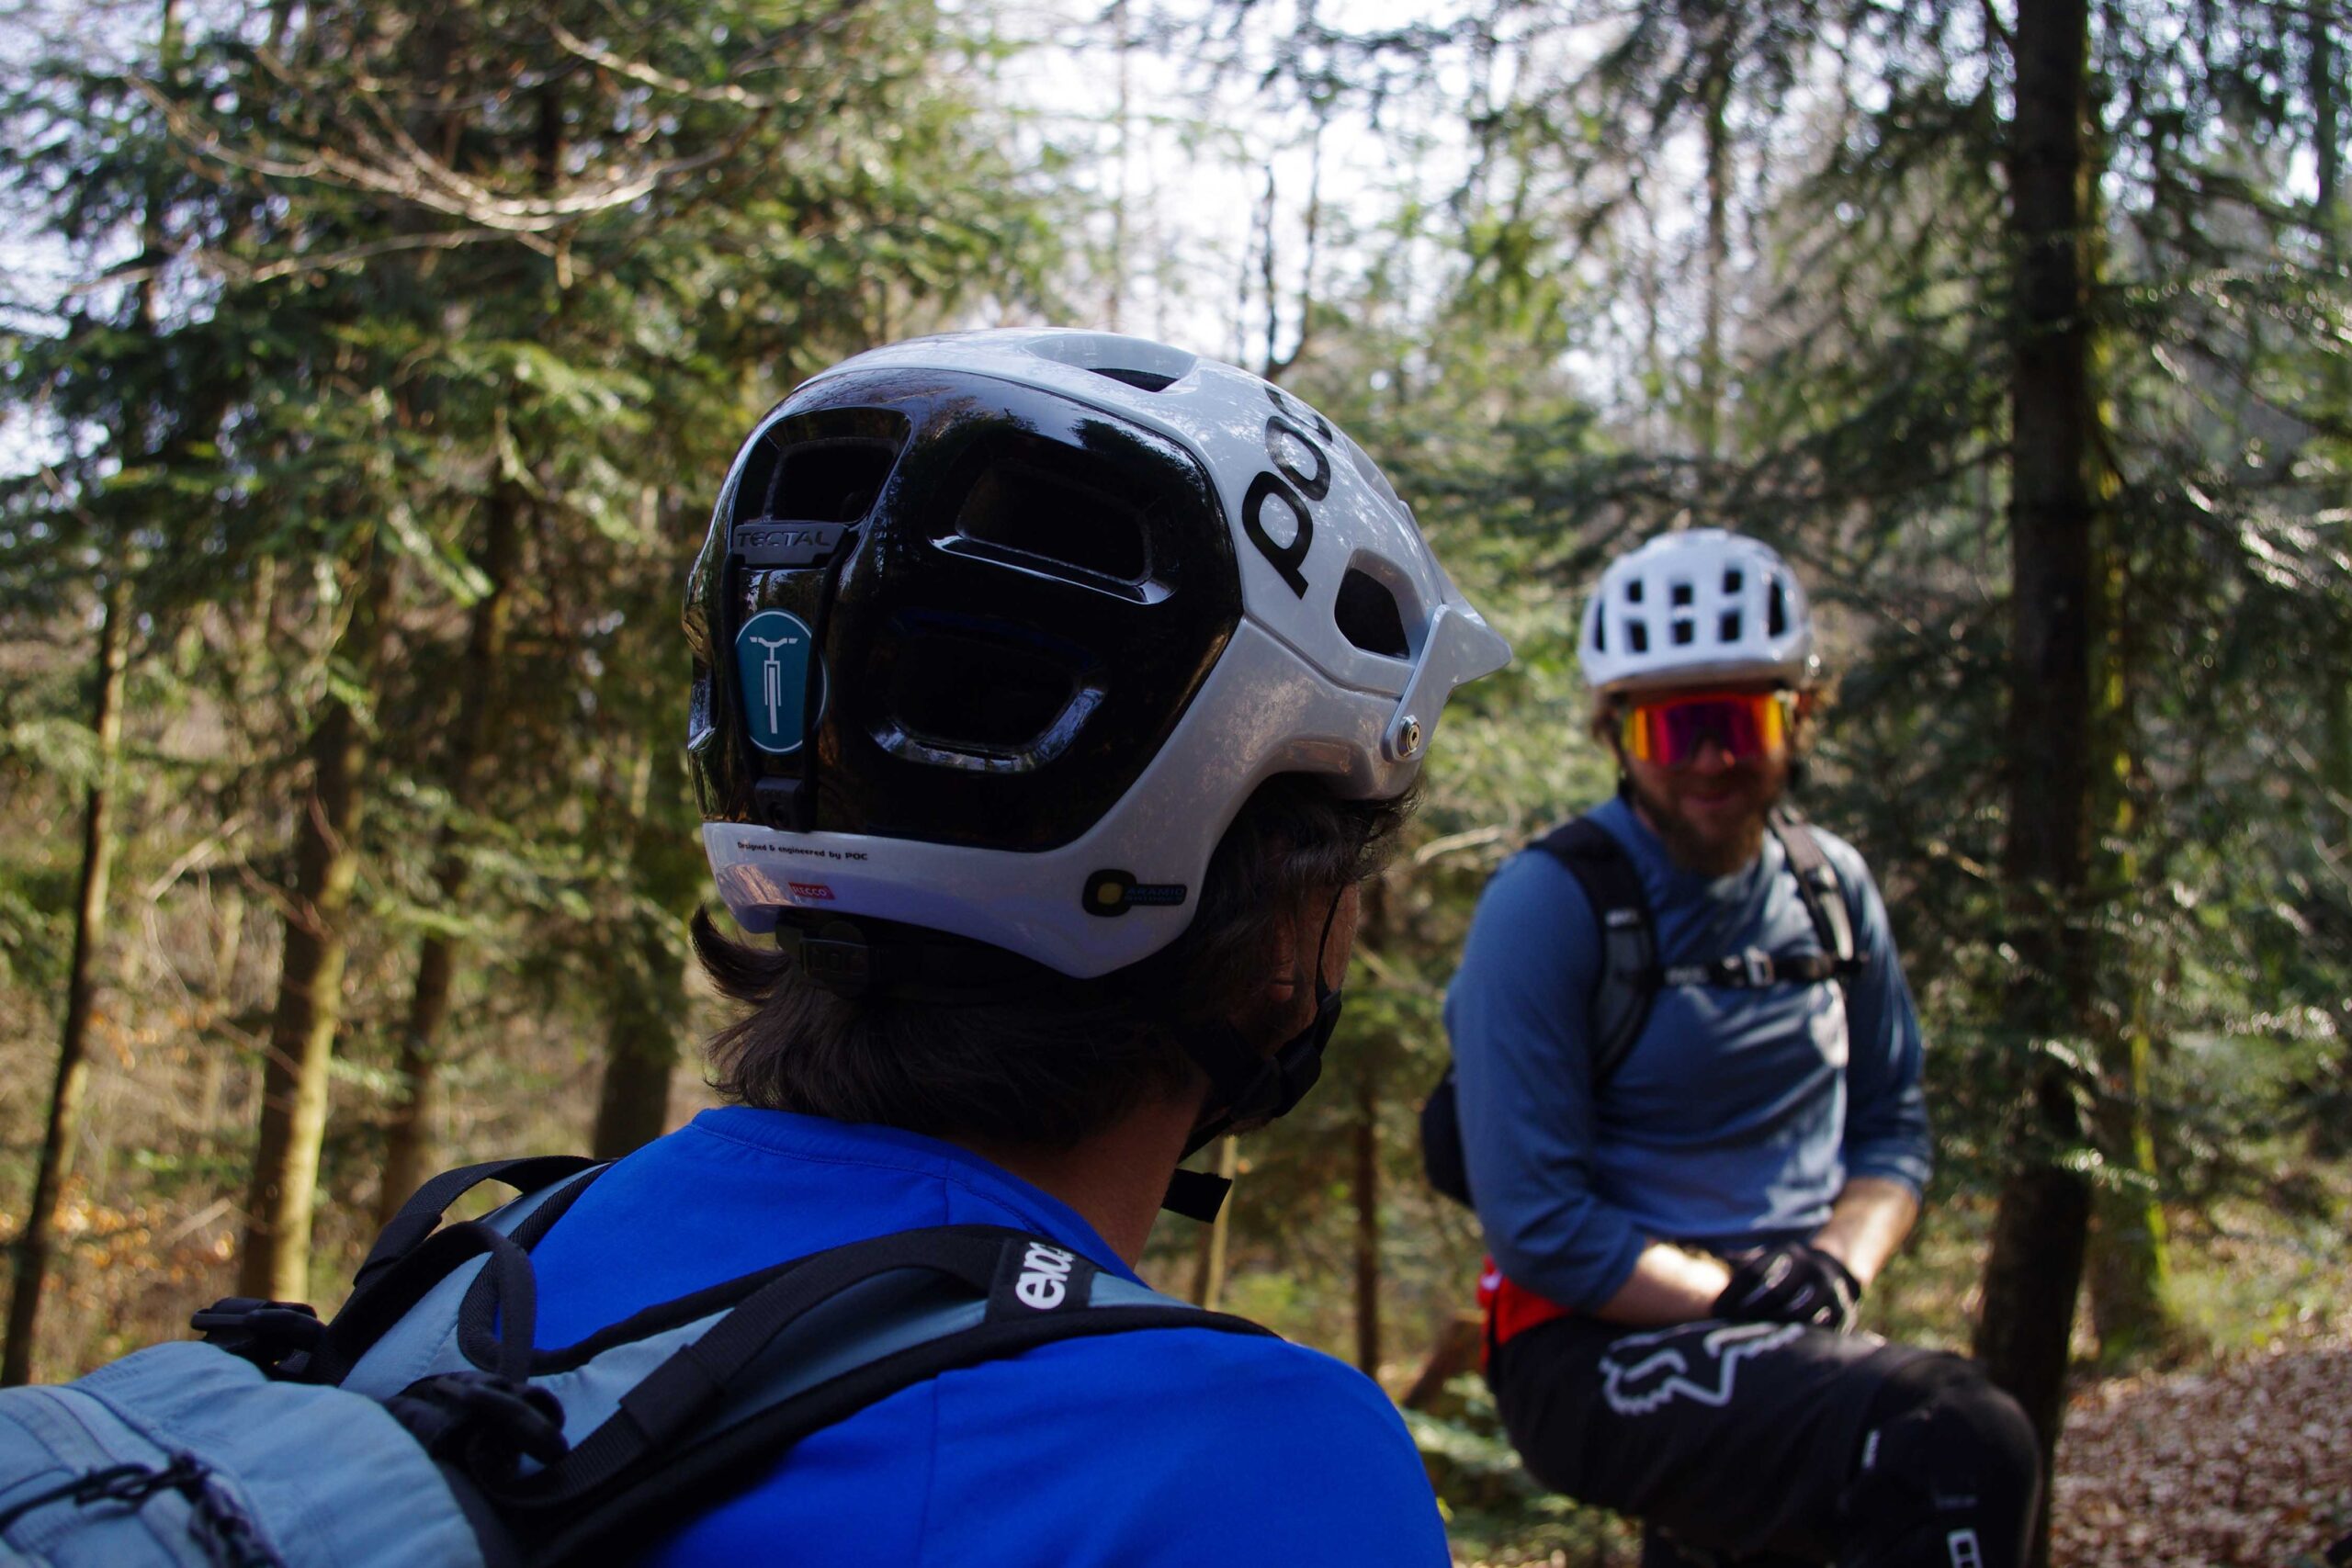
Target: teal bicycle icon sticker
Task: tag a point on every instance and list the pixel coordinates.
(772, 655)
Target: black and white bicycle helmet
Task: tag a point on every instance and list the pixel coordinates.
(1696, 606)
(994, 633)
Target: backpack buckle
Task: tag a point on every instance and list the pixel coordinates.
(1760, 968)
(262, 1332)
(482, 1422)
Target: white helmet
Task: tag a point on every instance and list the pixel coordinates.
(994, 634)
(1696, 606)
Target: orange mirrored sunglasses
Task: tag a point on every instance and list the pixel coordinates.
(1672, 731)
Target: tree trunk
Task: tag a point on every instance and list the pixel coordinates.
(1707, 424)
(1373, 935)
(647, 994)
(228, 905)
(640, 1047)
(2331, 1135)
(222, 1045)
(1459, 1344)
(35, 1245)
(38, 1238)
(1208, 1262)
(409, 1141)
(277, 1259)
(2035, 1264)
(1368, 1204)
(1123, 52)
(2129, 1258)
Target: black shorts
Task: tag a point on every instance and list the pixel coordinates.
(1735, 1437)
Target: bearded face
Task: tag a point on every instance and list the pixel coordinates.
(1711, 807)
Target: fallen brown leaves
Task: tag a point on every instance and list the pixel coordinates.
(2247, 1463)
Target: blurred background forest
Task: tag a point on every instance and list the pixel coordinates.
(367, 372)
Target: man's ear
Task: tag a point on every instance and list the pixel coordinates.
(1269, 1016)
(1608, 720)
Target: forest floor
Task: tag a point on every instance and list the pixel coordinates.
(2245, 1462)
(2238, 1455)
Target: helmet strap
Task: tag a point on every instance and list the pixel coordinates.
(845, 959)
(1250, 1089)
(788, 803)
(802, 803)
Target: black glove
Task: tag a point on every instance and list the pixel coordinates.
(1791, 1283)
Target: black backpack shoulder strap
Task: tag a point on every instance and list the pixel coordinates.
(1622, 992)
(1819, 886)
(532, 1175)
(1628, 981)
(714, 1416)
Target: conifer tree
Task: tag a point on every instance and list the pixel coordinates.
(480, 300)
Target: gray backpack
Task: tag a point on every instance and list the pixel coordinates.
(421, 1426)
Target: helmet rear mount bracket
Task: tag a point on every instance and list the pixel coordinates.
(787, 804)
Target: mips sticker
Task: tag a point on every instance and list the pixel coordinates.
(772, 655)
(1113, 893)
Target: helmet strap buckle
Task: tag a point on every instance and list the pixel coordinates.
(837, 958)
(778, 802)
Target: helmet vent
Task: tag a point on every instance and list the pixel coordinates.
(1679, 595)
(1733, 579)
(1131, 361)
(1684, 631)
(968, 693)
(1045, 522)
(1776, 619)
(1634, 591)
(1142, 380)
(1367, 615)
(1729, 629)
(1638, 633)
(827, 481)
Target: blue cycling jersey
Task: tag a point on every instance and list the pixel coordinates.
(1175, 1447)
(1739, 1113)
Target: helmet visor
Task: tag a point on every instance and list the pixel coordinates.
(1672, 732)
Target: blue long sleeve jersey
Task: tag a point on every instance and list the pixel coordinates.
(1151, 1448)
(1737, 1115)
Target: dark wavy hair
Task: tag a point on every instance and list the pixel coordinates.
(1045, 1060)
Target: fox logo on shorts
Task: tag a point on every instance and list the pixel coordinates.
(1697, 1361)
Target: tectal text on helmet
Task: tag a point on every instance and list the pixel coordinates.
(767, 543)
(1045, 1276)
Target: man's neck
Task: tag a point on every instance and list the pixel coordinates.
(1116, 1179)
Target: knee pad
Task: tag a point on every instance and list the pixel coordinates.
(1948, 1475)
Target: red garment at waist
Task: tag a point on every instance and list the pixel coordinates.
(1511, 1310)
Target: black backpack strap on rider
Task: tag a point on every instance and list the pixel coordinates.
(1824, 894)
(684, 1436)
(1628, 981)
(423, 1211)
(1617, 1011)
